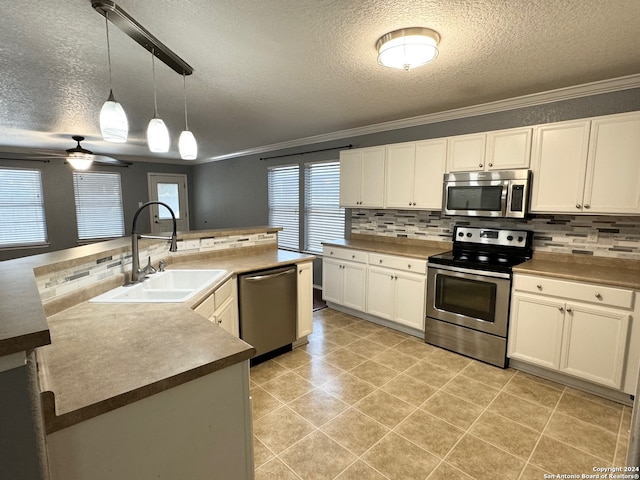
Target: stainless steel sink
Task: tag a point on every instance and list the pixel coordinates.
(168, 286)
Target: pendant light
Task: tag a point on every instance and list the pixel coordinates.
(187, 144)
(157, 133)
(113, 121)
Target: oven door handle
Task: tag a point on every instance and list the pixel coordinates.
(481, 273)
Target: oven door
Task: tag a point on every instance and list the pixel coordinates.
(470, 298)
(476, 198)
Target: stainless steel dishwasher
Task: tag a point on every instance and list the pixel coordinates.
(268, 306)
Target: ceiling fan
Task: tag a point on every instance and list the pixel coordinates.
(78, 157)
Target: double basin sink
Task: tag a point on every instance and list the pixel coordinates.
(167, 286)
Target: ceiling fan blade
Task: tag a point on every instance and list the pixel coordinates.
(105, 160)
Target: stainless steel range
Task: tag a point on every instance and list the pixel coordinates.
(468, 291)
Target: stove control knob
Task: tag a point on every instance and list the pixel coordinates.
(510, 237)
(469, 234)
(460, 234)
(520, 239)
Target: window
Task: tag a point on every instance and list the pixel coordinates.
(324, 219)
(22, 220)
(284, 204)
(98, 205)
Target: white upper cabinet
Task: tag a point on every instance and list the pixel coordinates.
(499, 150)
(588, 166)
(559, 165)
(613, 167)
(414, 174)
(362, 177)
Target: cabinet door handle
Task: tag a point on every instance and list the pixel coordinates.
(598, 296)
(409, 266)
(539, 287)
(491, 164)
(561, 309)
(414, 204)
(569, 310)
(586, 205)
(409, 203)
(480, 165)
(391, 277)
(578, 205)
(299, 272)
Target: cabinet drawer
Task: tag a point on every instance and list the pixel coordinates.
(398, 263)
(345, 254)
(223, 292)
(583, 292)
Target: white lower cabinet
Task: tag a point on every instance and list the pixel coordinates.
(221, 307)
(397, 296)
(343, 281)
(387, 287)
(575, 328)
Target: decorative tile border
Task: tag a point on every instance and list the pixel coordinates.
(604, 236)
(64, 281)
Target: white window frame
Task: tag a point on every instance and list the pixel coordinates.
(324, 219)
(283, 187)
(22, 215)
(99, 206)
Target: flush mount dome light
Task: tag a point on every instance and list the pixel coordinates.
(408, 48)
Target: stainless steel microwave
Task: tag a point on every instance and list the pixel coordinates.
(501, 193)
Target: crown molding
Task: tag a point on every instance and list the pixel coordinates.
(541, 98)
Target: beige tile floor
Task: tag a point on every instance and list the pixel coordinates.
(361, 401)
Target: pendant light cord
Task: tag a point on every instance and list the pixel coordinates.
(184, 89)
(153, 69)
(106, 22)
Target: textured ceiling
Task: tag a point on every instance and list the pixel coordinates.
(273, 71)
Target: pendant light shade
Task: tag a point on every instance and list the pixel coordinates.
(187, 143)
(158, 136)
(408, 48)
(157, 133)
(113, 121)
(188, 146)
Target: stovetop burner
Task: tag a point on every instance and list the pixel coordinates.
(487, 249)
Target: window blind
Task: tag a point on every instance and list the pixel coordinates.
(98, 197)
(284, 204)
(324, 219)
(22, 220)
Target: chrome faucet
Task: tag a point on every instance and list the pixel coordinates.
(139, 274)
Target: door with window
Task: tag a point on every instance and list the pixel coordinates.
(172, 190)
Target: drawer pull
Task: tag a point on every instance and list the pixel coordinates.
(391, 277)
(380, 260)
(409, 266)
(598, 296)
(539, 287)
(561, 309)
(569, 310)
(578, 205)
(353, 256)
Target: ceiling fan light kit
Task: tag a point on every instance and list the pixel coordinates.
(158, 138)
(408, 48)
(79, 158)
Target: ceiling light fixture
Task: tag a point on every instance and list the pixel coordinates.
(113, 121)
(408, 48)
(79, 158)
(157, 133)
(187, 144)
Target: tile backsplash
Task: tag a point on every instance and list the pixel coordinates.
(605, 236)
(79, 276)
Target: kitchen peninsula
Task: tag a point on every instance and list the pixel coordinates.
(147, 384)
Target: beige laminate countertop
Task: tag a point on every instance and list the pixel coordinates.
(422, 251)
(605, 271)
(104, 356)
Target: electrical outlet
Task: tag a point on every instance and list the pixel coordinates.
(592, 236)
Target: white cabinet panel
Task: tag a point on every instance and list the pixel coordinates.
(305, 299)
(595, 339)
(344, 282)
(431, 162)
(509, 149)
(380, 292)
(465, 153)
(354, 285)
(362, 177)
(332, 280)
(409, 299)
(350, 178)
(536, 330)
(613, 167)
(400, 175)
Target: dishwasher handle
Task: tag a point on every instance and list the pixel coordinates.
(258, 278)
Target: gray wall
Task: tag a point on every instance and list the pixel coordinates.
(233, 193)
(57, 185)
